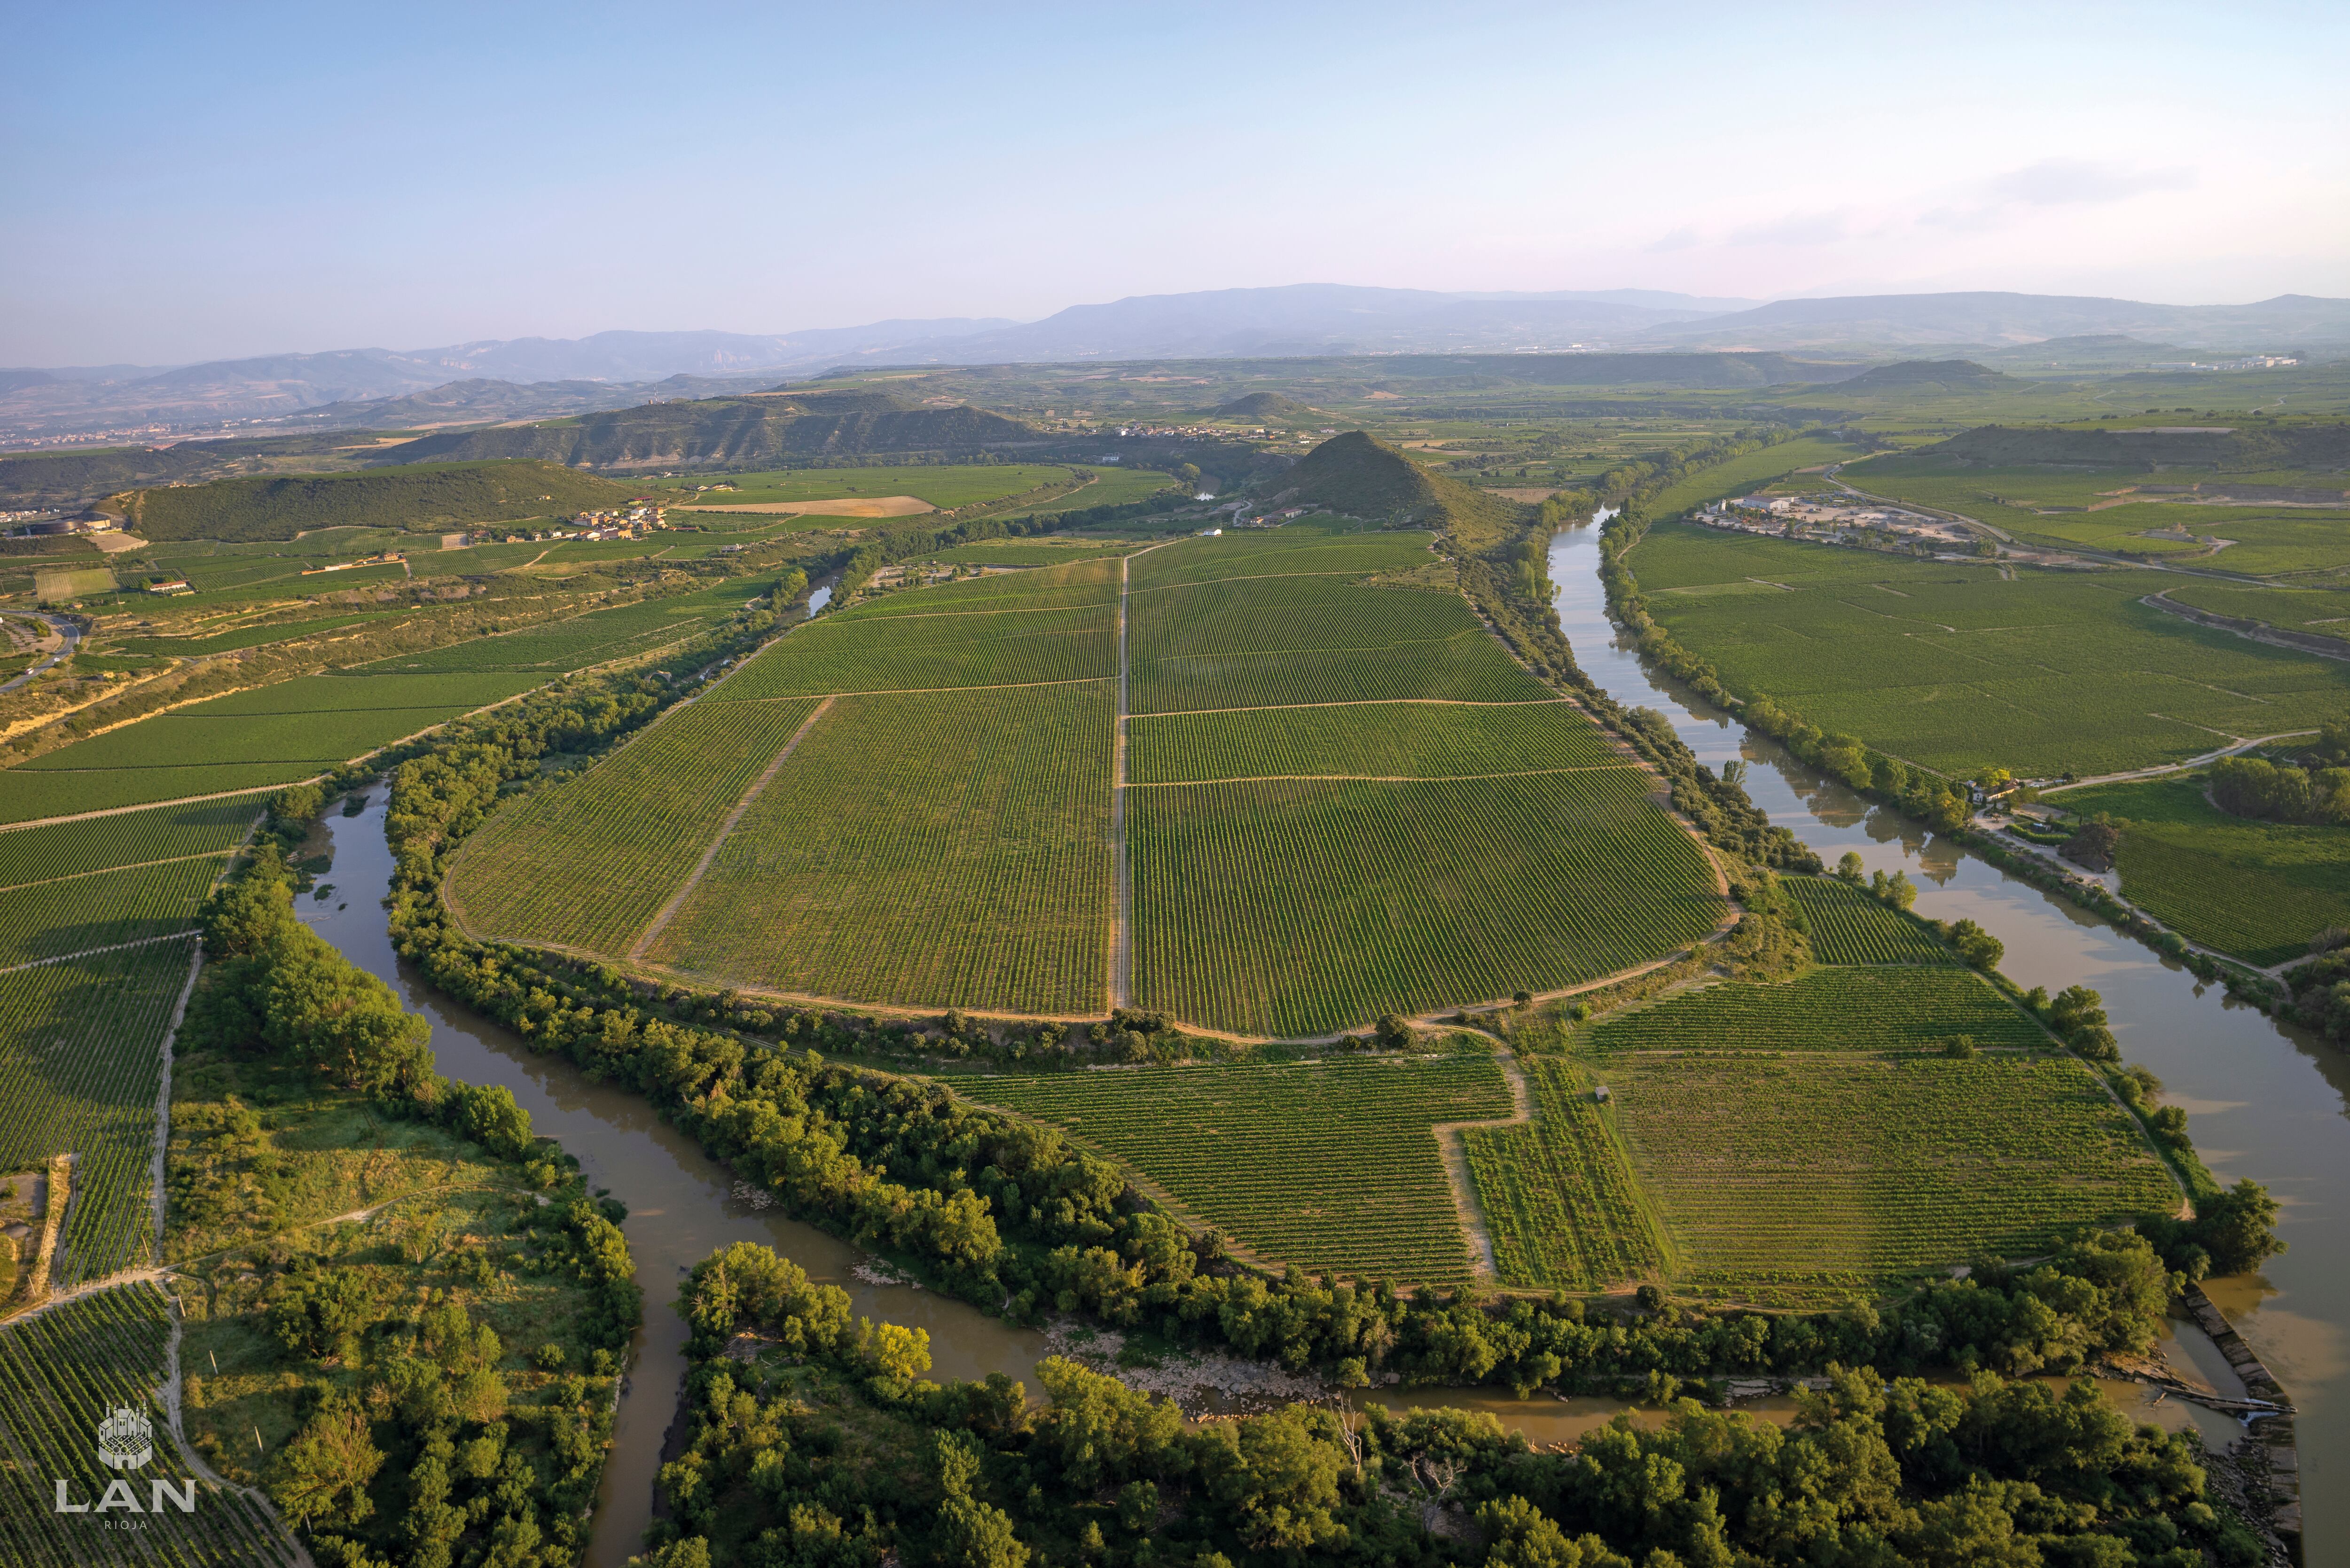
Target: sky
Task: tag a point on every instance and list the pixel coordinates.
(185, 183)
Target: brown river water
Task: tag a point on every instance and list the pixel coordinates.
(2266, 1104)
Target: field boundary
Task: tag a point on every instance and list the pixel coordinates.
(662, 918)
(1623, 768)
(1452, 1151)
(160, 1198)
(110, 948)
(105, 870)
(2251, 630)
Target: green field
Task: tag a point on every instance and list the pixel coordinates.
(1111, 487)
(945, 485)
(1558, 1194)
(588, 862)
(61, 1374)
(2257, 889)
(100, 843)
(1951, 667)
(81, 1059)
(244, 636)
(1332, 1166)
(1376, 740)
(2313, 612)
(921, 652)
(1850, 926)
(98, 909)
(2116, 510)
(1304, 906)
(1827, 1009)
(1027, 552)
(939, 849)
(416, 496)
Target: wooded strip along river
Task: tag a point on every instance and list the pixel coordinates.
(2265, 1103)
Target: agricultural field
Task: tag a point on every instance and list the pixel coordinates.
(599, 636)
(100, 908)
(1793, 1143)
(29, 795)
(1110, 487)
(1558, 1195)
(81, 1044)
(587, 862)
(1308, 906)
(1851, 926)
(943, 848)
(1332, 1165)
(2313, 612)
(1804, 1176)
(2257, 889)
(911, 652)
(2125, 511)
(61, 1374)
(1952, 668)
(1380, 740)
(1028, 552)
(1300, 549)
(1283, 641)
(134, 838)
(1076, 586)
(241, 638)
(944, 486)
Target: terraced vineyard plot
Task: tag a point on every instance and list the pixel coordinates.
(1799, 1177)
(62, 1374)
(1850, 926)
(1302, 907)
(69, 848)
(1279, 642)
(191, 739)
(1293, 550)
(1068, 586)
(2313, 612)
(1331, 1165)
(44, 920)
(589, 862)
(80, 1062)
(1557, 1194)
(2257, 889)
(939, 849)
(1828, 1009)
(1954, 669)
(1383, 739)
(365, 690)
(919, 653)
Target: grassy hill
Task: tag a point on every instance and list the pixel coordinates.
(421, 497)
(1359, 476)
(1931, 376)
(765, 428)
(39, 479)
(1265, 406)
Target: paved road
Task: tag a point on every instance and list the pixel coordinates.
(66, 629)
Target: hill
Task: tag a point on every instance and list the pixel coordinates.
(1358, 476)
(1929, 375)
(2283, 446)
(59, 479)
(1265, 406)
(1893, 320)
(420, 498)
(766, 428)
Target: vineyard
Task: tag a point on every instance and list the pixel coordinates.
(1302, 907)
(1851, 926)
(27, 796)
(1331, 1165)
(587, 862)
(1074, 585)
(2257, 889)
(100, 908)
(908, 652)
(1801, 1178)
(100, 843)
(939, 849)
(1382, 740)
(61, 1374)
(1273, 642)
(1558, 1197)
(595, 638)
(1297, 550)
(1836, 1009)
(81, 1044)
(1955, 669)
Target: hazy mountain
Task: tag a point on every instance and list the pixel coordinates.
(1309, 318)
(1906, 320)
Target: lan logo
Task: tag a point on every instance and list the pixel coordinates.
(126, 1441)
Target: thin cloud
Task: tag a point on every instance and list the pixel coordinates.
(1794, 229)
(1680, 239)
(2077, 182)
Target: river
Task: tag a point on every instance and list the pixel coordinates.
(2266, 1100)
(2220, 1062)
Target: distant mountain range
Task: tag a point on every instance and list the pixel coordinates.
(539, 378)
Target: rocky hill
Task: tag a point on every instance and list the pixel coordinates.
(1357, 476)
(420, 498)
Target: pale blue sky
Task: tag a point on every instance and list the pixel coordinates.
(193, 181)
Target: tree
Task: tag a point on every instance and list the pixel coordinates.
(1849, 868)
(322, 1475)
(488, 1113)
